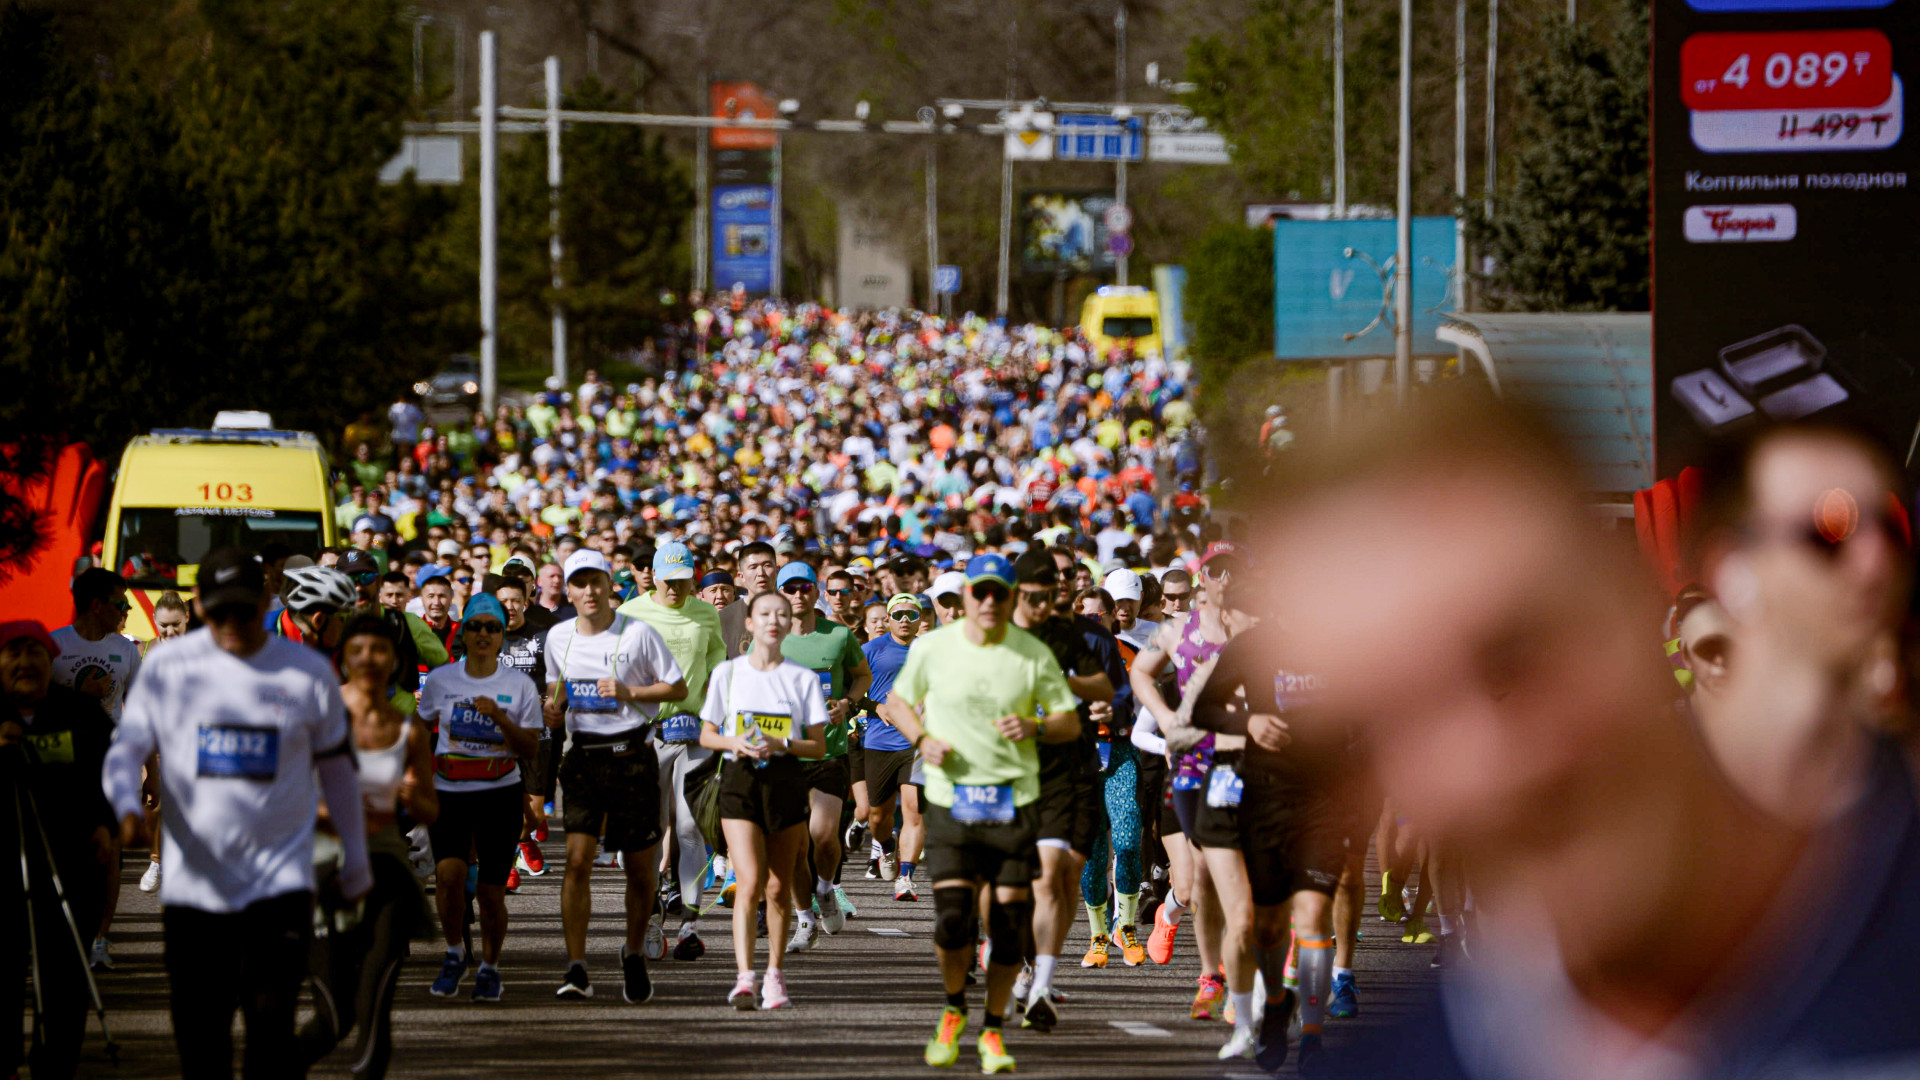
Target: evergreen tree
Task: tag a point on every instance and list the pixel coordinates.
(1230, 302)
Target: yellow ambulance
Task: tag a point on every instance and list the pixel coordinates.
(1121, 316)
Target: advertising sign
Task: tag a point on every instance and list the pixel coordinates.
(744, 242)
(1328, 305)
(1064, 231)
(1783, 269)
(739, 99)
(1191, 147)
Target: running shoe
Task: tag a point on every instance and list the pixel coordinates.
(540, 834)
(1131, 950)
(638, 987)
(452, 970)
(743, 997)
(726, 890)
(102, 959)
(1345, 1002)
(670, 900)
(486, 985)
(689, 946)
(1270, 1050)
(832, 919)
(903, 889)
(846, 903)
(1417, 933)
(944, 1048)
(1022, 986)
(576, 984)
(654, 946)
(889, 867)
(1096, 953)
(993, 1052)
(1041, 1015)
(150, 881)
(803, 937)
(1160, 942)
(855, 833)
(1310, 1061)
(773, 992)
(606, 860)
(1452, 952)
(531, 862)
(1239, 1045)
(1392, 907)
(513, 879)
(1208, 999)
(873, 869)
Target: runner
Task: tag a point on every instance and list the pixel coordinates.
(761, 709)
(525, 651)
(691, 628)
(991, 693)
(607, 674)
(250, 729)
(890, 757)
(356, 965)
(487, 717)
(828, 650)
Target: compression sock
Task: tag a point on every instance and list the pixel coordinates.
(1242, 1009)
(1126, 908)
(1043, 966)
(1097, 919)
(1316, 982)
(822, 886)
(1175, 910)
(906, 870)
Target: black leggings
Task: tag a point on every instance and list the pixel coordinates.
(253, 960)
(355, 974)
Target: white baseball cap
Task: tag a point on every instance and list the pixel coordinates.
(591, 559)
(448, 546)
(953, 581)
(1122, 585)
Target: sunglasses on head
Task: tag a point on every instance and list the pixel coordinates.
(989, 592)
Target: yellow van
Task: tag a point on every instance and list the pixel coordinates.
(1117, 316)
(182, 492)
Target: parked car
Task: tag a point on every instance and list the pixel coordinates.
(453, 394)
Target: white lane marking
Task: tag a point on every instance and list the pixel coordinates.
(1142, 1030)
(888, 931)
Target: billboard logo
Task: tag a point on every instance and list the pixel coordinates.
(1740, 224)
(749, 198)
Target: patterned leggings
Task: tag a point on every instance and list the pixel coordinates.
(1121, 844)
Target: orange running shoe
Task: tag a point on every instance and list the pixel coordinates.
(1096, 953)
(1131, 950)
(1213, 991)
(1160, 942)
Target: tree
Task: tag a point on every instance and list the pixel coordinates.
(1230, 302)
(1569, 229)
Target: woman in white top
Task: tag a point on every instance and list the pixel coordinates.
(356, 964)
(761, 711)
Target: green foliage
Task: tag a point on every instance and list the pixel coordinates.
(1569, 229)
(1230, 303)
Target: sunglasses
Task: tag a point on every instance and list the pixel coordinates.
(795, 588)
(989, 593)
(904, 616)
(123, 605)
(1036, 596)
(487, 627)
(366, 578)
(839, 592)
(464, 580)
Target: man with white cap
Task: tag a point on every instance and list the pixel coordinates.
(948, 603)
(691, 628)
(607, 674)
(1125, 588)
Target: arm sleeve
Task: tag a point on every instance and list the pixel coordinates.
(340, 782)
(1146, 734)
(133, 743)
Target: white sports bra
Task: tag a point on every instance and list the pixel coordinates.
(381, 772)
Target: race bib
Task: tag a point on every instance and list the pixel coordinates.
(469, 730)
(680, 727)
(583, 695)
(1184, 782)
(1224, 787)
(983, 804)
(1106, 754)
(826, 683)
(769, 724)
(241, 753)
(54, 749)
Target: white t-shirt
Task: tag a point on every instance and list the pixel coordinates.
(446, 700)
(788, 693)
(101, 669)
(629, 650)
(238, 738)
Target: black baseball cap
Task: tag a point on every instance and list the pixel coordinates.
(230, 575)
(1036, 568)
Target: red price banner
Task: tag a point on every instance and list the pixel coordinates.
(1809, 69)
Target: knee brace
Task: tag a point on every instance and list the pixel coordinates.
(1007, 928)
(953, 917)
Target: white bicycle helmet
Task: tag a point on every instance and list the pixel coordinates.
(319, 588)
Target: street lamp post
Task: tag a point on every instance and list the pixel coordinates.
(553, 216)
(1403, 258)
(489, 217)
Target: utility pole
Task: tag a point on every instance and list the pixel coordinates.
(1340, 108)
(1120, 95)
(702, 246)
(489, 215)
(777, 287)
(1006, 230)
(1460, 151)
(1493, 94)
(1403, 249)
(933, 222)
(553, 216)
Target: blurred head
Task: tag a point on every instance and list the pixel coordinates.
(512, 594)
(394, 591)
(100, 600)
(26, 662)
(1095, 604)
(368, 651)
(769, 620)
(170, 616)
(1176, 592)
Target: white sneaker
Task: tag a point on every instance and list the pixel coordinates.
(803, 937)
(889, 867)
(1023, 985)
(1240, 1045)
(150, 881)
(832, 919)
(606, 860)
(903, 889)
(102, 959)
(655, 945)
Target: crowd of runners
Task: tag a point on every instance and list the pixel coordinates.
(942, 604)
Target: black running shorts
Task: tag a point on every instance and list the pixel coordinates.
(996, 854)
(833, 776)
(772, 796)
(1073, 806)
(483, 826)
(887, 772)
(615, 779)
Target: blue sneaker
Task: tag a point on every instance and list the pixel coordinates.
(452, 970)
(486, 985)
(1345, 1001)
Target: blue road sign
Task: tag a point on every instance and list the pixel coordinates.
(946, 280)
(1092, 137)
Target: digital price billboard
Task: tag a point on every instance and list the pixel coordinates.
(1786, 273)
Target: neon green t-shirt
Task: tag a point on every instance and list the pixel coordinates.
(692, 634)
(963, 689)
(826, 652)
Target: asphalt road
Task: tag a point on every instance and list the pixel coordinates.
(864, 1003)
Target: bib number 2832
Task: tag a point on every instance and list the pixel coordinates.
(983, 804)
(239, 753)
